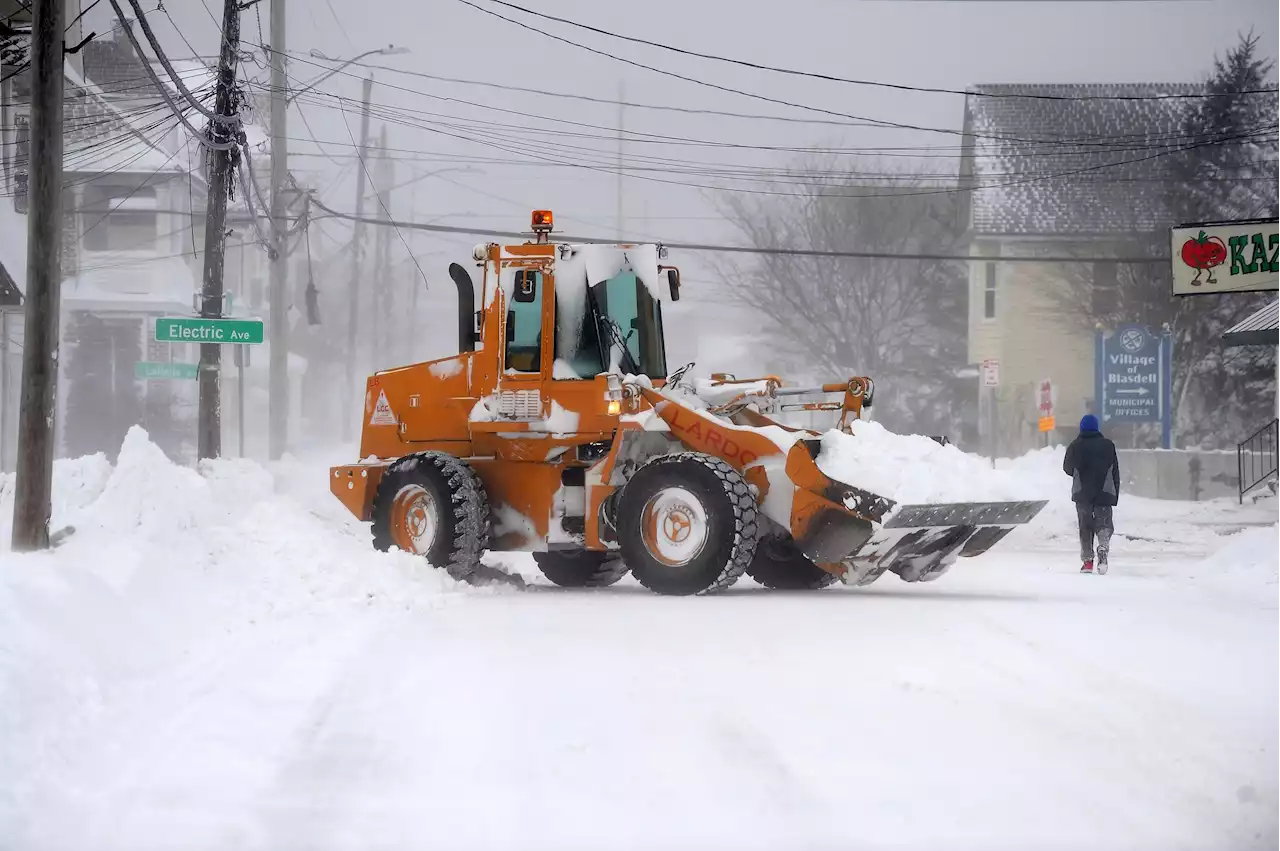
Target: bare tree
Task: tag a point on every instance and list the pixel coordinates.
(901, 321)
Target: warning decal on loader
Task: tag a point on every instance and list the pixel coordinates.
(382, 414)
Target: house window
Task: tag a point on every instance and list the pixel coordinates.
(989, 293)
(1106, 291)
(119, 218)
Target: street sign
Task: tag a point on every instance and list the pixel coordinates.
(149, 370)
(196, 329)
(1225, 257)
(1133, 378)
(991, 373)
(1045, 406)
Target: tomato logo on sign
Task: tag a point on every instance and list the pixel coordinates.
(1203, 253)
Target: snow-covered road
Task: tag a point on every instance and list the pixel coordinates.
(221, 662)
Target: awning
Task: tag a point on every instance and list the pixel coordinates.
(1260, 329)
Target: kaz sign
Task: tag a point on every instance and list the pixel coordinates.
(1133, 377)
(1225, 257)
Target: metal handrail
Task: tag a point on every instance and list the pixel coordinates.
(1262, 449)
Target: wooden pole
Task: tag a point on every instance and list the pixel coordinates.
(33, 489)
(209, 442)
(278, 366)
(357, 255)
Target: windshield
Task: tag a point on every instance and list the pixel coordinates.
(621, 330)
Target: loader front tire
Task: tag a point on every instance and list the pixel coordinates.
(433, 505)
(581, 568)
(780, 565)
(687, 524)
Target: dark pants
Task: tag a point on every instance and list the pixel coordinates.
(1094, 520)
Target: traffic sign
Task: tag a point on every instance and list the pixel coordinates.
(1045, 406)
(1133, 377)
(991, 373)
(148, 370)
(1046, 398)
(197, 329)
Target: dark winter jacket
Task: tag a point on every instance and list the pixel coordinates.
(1094, 468)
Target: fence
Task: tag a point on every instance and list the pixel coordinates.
(1256, 457)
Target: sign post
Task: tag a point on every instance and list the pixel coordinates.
(991, 383)
(207, 331)
(1133, 379)
(1045, 408)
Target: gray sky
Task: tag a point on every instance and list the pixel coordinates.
(939, 43)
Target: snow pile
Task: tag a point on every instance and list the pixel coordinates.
(1253, 551)
(911, 468)
(168, 567)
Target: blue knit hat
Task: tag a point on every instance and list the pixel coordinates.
(1089, 423)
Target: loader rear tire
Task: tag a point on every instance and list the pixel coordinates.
(687, 524)
(581, 568)
(433, 505)
(780, 565)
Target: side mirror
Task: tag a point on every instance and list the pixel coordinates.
(673, 283)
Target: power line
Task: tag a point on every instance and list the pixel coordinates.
(378, 195)
(741, 249)
(753, 95)
(1031, 179)
(879, 84)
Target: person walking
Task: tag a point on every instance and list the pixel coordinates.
(1094, 468)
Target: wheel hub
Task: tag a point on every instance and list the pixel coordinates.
(674, 527)
(414, 519)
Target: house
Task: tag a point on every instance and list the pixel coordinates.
(1056, 178)
(132, 250)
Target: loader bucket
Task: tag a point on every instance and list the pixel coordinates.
(859, 535)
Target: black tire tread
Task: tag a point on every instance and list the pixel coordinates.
(581, 568)
(745, 521)
(472, 522)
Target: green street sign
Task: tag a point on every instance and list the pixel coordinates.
(148, 370)
(195, 329)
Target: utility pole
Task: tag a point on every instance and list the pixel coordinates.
(278, 406)
(33, 491)
(384, 327)
(415, 281)
(357, 253)
(212, 300)
(621, 121)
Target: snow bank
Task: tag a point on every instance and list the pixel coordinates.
(1255, 551)
(911, 468)
(168, 567)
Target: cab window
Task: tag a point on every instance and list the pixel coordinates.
(524, 322)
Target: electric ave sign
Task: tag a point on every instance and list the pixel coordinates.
(195, 329)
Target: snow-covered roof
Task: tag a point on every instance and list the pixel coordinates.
(1019, 140)
(102, 138)
(1260, 329)
(121, 281)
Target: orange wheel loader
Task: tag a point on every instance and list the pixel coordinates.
(557, 429)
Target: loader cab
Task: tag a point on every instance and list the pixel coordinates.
(613, 325)
(620, 330)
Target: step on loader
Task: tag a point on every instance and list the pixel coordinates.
(557, 429)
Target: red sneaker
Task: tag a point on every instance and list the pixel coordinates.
(1087, 567)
